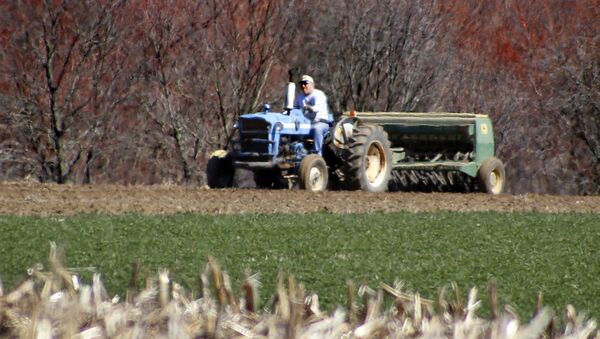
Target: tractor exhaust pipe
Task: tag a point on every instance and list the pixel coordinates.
(290, 92)
(289, 96)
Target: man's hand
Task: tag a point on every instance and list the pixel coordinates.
(309, 112)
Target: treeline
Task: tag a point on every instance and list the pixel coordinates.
(141, 91)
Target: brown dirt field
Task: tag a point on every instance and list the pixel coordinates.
(25, 198)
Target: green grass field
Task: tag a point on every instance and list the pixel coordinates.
(525, 253)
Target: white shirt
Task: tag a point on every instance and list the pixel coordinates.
(317, 100)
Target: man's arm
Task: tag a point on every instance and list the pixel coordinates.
(320, 106)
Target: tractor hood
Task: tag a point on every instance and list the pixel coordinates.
(294, 123)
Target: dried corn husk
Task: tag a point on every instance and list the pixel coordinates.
(55, 304)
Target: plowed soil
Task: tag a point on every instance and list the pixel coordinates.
(25, 198)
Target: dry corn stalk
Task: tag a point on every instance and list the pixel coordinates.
(54, 304)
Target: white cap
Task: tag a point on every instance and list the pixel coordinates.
(307, 78)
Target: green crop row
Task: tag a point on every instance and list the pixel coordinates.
(525, 253)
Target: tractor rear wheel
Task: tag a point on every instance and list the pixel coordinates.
(368, 159)
(492, 176)
(313, 174)
(220, 170)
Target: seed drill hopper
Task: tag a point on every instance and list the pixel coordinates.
(431, 151)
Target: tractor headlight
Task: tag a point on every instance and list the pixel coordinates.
(236, 125)
(278, 126)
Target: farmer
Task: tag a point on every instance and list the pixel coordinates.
(314, 103)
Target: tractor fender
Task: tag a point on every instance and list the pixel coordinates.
(343, 130)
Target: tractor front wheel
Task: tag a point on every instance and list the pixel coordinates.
(220, 170)
(313, 173)
(492, 176)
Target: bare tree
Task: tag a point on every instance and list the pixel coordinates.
(56, 62)
(204, 64)
(522, 63)
(573, 89)
(375, 55)
(245, 44)
(173, 70)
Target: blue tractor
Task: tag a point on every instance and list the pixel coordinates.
(276, 147)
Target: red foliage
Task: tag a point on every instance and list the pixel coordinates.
(534, 57)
